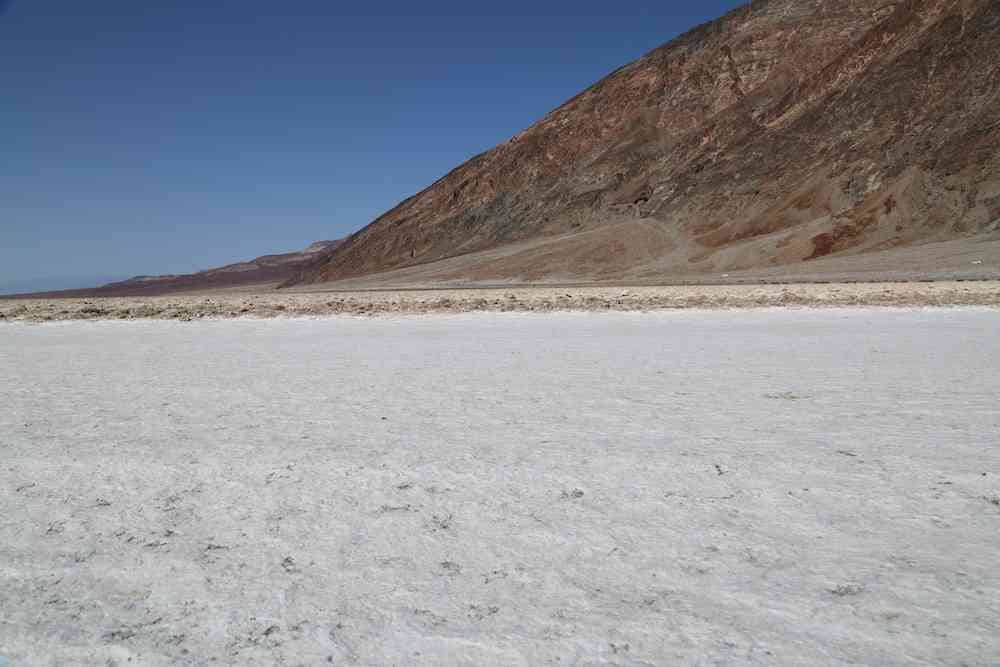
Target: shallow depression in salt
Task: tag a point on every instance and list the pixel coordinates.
(751, 487)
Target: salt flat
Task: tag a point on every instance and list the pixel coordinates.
(779, 487)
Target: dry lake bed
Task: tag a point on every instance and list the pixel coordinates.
(773, 487)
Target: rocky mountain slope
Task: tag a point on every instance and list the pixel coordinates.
(260, 271)
(786, 131)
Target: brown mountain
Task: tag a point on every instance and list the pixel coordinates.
(786, 131)
(265, 270)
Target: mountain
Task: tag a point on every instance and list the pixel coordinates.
(269, 269)
(53, 283)
(783, 132)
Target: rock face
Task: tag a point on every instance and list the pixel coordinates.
(785, 131)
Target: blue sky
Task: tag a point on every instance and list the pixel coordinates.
(171, 136)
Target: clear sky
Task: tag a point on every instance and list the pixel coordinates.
(168, 136)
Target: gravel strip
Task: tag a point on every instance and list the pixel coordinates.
(515, 299)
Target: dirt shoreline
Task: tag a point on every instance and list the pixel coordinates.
(511, 299)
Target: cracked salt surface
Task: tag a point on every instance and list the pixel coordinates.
(765, 487)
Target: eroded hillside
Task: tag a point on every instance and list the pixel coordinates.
(783, 132)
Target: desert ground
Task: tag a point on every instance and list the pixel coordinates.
(644, 252)
(707, 487)
(264, 301)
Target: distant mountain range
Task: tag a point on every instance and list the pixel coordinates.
(268, 269)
